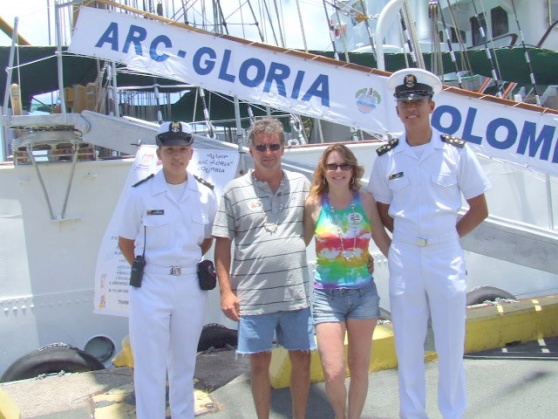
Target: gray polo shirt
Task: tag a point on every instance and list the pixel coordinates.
(269, 268)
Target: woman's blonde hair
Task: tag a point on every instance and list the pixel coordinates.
(320, 185)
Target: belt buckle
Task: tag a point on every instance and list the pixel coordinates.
(421, 242)
(175, 270)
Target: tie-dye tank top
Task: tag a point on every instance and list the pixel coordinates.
(342, 240)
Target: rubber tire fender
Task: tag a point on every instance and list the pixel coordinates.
(217, 336)
(51, 359)
(482, 294)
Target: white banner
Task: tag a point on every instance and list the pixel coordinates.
(324, 89)
(112, 273)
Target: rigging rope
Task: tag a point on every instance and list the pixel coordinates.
(331, 29)
(407, 39)
(506, 90)
(365, 17)
(403, 41)
(493, 71)
(209, 125)
(465, 63)
(342, 35)
(527, 58)
(411, 31)
(195, 107)
(242, 17)
(219, 18)
(436, 65)
(435, 5)
(270, 23)
(262, 38)
(256, 22)
(279, 24)
(301, 26)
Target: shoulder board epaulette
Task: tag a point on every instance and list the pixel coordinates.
(143, 180)
(389, 146)
(450, 139)
(204, 182)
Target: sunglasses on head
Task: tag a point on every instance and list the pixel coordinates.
(263, 147)
(334, 166)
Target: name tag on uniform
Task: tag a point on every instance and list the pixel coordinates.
(156, 212)
(395, 176)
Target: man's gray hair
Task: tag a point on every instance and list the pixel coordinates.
(268, 126)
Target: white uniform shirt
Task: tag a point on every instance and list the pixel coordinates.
(425, 193)
(175, 229)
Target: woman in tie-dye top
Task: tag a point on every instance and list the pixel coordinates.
(342, 240)
(343, 218)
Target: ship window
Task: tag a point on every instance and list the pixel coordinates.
(476, 33)
(454, 38)
(499, 20)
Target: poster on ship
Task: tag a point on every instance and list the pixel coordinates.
(112, 273)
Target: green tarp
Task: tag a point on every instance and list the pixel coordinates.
(511, 62)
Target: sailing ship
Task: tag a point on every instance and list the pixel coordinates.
(69, 163)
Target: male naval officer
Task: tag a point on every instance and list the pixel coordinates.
(168, 218)
(418, 182)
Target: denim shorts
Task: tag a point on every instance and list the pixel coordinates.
(340, 304)
(292, 329)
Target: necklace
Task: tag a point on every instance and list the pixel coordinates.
(344, 235)
(269, 227)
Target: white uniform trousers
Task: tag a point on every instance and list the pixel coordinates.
(429, 280)
(165, 319)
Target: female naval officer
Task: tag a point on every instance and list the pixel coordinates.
(167, 219)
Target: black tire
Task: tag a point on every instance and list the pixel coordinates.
(384, 314)
(482, 294)
(217, 336)
(51, 359)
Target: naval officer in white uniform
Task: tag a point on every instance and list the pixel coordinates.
(168, 218)
(419, 182)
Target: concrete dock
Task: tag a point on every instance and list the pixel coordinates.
(514, 379)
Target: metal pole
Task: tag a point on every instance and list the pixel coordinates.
(239, 136)
(494, 70)
(239, 139)
(10, 65)
(7, 91)
(549, 202)
(59, 59)
(335, 52)
(41, 181)
(527, 57)
(388, 14)
(116, 108)
(70, 179)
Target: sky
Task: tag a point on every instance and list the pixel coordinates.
(33, 24)
(33, 21)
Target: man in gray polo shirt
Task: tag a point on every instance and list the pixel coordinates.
(267, 289)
